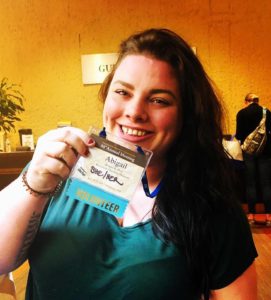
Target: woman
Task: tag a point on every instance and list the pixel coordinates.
(191, 241)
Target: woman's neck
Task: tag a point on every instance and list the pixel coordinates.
(155, 173)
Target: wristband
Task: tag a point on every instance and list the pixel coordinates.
(37, 193)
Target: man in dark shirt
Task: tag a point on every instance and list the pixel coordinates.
(257, 168)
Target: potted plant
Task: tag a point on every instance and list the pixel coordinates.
(11, 104)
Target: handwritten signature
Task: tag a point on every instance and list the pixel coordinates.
(105, 175)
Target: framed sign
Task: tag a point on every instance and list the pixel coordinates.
(95, 67)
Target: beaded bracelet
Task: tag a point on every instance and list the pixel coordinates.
(37, 193)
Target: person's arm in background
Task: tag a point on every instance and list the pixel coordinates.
(239, 135)
(21, 211)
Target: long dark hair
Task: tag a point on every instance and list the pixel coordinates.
(197, 163)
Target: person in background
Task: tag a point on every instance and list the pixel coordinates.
(257, 168)
(191, 241)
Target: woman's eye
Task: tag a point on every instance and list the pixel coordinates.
(121, 92)
(161, 101)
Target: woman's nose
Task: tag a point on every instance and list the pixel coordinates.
(136, 110)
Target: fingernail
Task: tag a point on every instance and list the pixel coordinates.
(90, 141)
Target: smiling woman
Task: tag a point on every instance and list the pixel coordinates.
(143, 107)
(187, 240)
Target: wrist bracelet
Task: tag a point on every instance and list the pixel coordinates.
(37, 193)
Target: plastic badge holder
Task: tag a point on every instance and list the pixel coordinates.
(108, 177)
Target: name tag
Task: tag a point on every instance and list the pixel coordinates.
(108, 177)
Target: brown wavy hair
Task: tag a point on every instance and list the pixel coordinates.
(193, 191)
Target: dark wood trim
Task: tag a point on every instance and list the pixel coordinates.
(12, 164)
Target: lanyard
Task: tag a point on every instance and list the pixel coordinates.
(145, 184)
(102, 133)
(144, 179)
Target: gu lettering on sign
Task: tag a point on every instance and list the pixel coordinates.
(95, 67)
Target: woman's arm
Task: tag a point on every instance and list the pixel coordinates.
(21, 211)
(243, 288)
(20, 214)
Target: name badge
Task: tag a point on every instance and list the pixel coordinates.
(108, 177)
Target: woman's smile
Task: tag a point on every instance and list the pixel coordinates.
(144, 107)
(133, 131)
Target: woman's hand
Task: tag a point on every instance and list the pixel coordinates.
(55, 155)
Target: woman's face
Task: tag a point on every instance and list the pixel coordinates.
(143, 104)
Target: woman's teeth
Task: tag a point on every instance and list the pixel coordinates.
(131, 131)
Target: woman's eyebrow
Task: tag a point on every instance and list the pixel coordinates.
(163, 91)
(126, 84)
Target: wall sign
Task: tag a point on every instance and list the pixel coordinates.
(95, 67)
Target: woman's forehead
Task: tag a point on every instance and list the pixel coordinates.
(135, 67)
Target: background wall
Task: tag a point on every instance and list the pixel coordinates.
(42, 41)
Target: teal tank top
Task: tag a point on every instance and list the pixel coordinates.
(81, 252)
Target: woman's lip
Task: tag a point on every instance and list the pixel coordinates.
(133, 131)
(130, 130)
(133, 138)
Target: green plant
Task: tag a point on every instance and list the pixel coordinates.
(11, 104)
